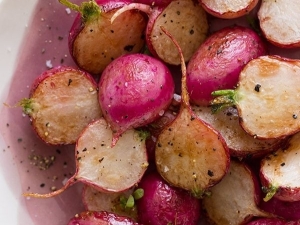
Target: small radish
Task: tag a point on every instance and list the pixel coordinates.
(106, 168)
(219, 60)
(100, 218)
(163, 204)
(190, 154)
(280, 172)
(184, 19)
(265, 97)
(228, 9)
(234, 200)
(134, 90)
(62, 102)
(94, 41)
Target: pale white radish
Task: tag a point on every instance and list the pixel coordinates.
(234, 200)
(190, 154)
(106, 168)
(279, 22)
(266, 97)
(280, 172)
(240, 143)
(228, 9)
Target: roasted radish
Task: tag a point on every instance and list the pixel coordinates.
(62, 102)
(279, 22)
(163, 204)
(234, 200)
(240, 143)
(100, 218)
(265, 97)
(94, 41)
(228, 9)
(106, 168)
(134, 90)
(190, 154)
(280, 172)
(184, 19)
(219, 60)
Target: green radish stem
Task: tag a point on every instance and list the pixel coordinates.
(89, 10)
(224, 99)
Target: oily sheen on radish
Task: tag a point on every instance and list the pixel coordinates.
(134, 90)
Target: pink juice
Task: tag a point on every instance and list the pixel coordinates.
(41, 168)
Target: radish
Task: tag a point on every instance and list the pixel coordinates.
(279, 22)
(134, 90)
(235, 199)
(94, 41)
(280, 172)
(163, 204)
(185, 20)
(120, 203)
(240, 143)
(219, 60)
(154, 2)
(265, 97)
(100, 218)
(190, 154)
(272, 221)
(62, 102)
(228, 9)
(108, 169)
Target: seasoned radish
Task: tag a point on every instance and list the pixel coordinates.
(106, 168)
(134, 90)
(190, 154)
(228, 9)
(62, 102)
(100, 218)
(120, 203)
(163, 204)
(184, 19)
(279, 22)
(94, 41)
(219, 60)
(240, 143)
(280, 172)
(265, 97)
(234, 200)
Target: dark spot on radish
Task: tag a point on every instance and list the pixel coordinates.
(100, 160)
(128, 48)
(295, 116)
(282, 164)
(69, 82)
(91, 30)
(159, 145)
(210, 173)
(192, 31)
(178, 13)
(112, 31)
(42, 185)
(164, 15)
(257, 87)
(84, 150)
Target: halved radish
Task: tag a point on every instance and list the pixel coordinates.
(234, 200)
(240, 143)
(62, 102)
(228, 9)
(280, 172)
(279, 22)
(190, 154)
(106, 168)
(265, 97)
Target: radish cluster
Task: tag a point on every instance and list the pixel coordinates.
(222, 150)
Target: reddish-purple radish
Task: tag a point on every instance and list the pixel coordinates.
(240, 143)
(94, 41)
(219, 60)
(228, 9)
(279, 22)
(134, 90)
(108, 169)
(163, 204)
(62, 102)
(265, 97)
(120, 203)
(234, 200)
(100, 218)
(154, 2)
(280, 172)
(184, 19)
(190, 154)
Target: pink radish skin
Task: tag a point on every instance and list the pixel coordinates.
(219, 60)
(163, 204)
(154, 2)
(134, 90)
